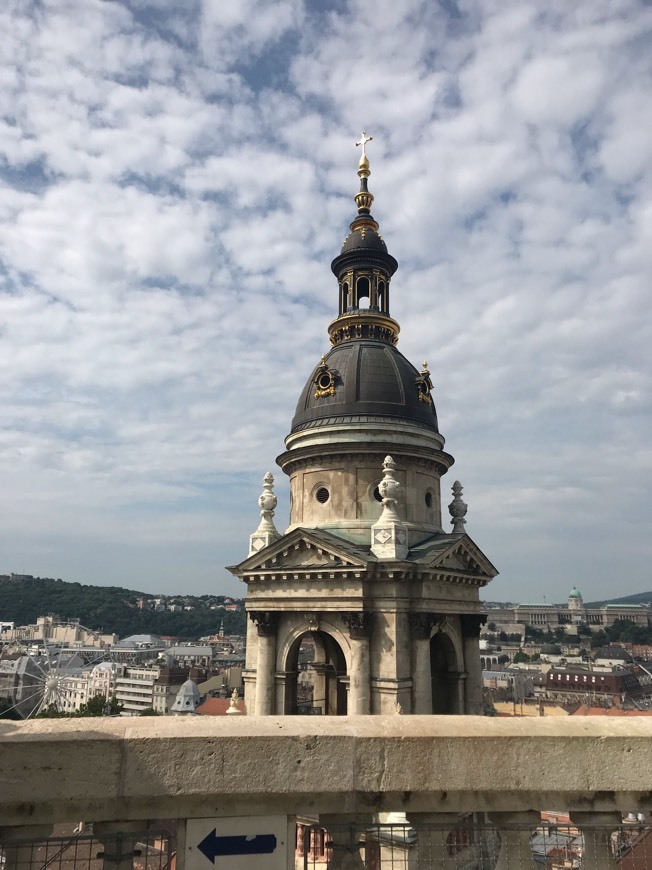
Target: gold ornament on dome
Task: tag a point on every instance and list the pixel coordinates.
(324, 380)
(424, 385)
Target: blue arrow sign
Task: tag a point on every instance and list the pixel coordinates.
(214, 847)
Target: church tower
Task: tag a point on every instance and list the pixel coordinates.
(365, 587)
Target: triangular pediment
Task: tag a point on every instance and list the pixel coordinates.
(305, 549)
(453, 553)
(455, 560)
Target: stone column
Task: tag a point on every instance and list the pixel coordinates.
(343, 841)
(266, 623)
(359, 626)
(286, 692)
(456, 681)
(597, 830)
(119, 841)
(420, 628)
(19, 843)
(433, 830)
(471, 623)
(515, 833)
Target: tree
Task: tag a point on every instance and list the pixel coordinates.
(95, 706)
(111, 608)
(148, 711)
(521, 656)
(598, 639)
(99, 706)
(625, 631)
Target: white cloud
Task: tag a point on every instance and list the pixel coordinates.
(175, 186)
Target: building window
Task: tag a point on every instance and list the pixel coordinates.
(322, 495)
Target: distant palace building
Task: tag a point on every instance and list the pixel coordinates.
(573, 614)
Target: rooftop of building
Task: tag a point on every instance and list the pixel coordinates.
(218, 707)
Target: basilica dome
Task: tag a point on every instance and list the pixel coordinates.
(365, 381)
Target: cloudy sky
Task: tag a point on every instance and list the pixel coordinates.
(176, 178)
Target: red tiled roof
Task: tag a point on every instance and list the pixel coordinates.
(217, 707)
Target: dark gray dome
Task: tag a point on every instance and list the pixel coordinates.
(362, 238)
(371, 380)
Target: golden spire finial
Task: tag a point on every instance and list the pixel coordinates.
(363, 198)
(363, 165)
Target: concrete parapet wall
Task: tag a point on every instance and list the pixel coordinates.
(103, 769)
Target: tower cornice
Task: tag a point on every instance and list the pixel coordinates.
(363, 324)
(325, 455)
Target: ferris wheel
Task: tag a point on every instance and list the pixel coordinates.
(42, 681)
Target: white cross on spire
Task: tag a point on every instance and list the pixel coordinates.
(363, 141)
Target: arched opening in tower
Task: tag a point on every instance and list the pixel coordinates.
(382, 302)
(363, 292)
(442, 675)
(344, 297)
(320, 679)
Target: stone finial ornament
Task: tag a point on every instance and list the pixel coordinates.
(389, 488)
(389, 534)
(457, 509)
(233, 709)
(266, 533)
(267, 501)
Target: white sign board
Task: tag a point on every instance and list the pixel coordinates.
(237, 842)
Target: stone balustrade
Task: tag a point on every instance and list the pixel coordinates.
(120, 772)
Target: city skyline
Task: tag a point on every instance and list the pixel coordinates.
(176, 184)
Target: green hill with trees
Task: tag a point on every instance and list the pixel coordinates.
(114, 609)
(638, 598)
